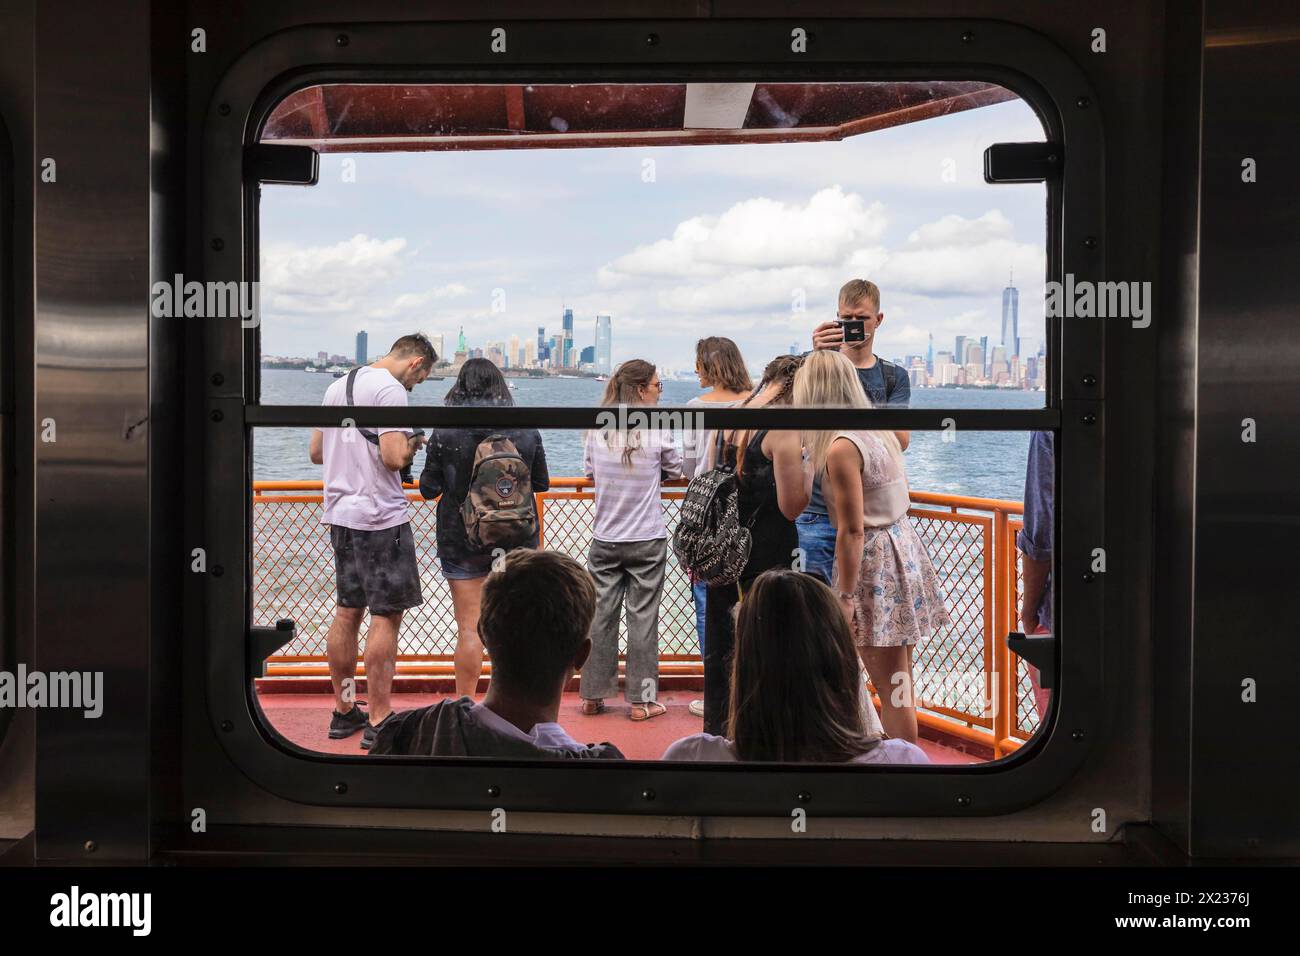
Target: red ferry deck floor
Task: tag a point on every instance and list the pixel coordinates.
(303, 718)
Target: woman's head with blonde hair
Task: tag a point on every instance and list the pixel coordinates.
(828, 379)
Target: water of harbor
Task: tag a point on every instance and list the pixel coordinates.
(980, 464)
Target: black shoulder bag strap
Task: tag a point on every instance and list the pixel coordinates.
(366, 433)
(720, 450)
(890, 373)
(741, 451)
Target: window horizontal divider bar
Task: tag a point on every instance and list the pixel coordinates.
(675, 417)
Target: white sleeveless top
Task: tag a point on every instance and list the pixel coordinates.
(885, 496)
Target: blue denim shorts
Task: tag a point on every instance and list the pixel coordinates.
(817, 541)
(467, 569)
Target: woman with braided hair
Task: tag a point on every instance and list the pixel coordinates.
(774, 486)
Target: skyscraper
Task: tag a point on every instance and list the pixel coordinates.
(984, 350)
(512, 353)
(566, 344)
(959, 353)
(604, 344)
(437, 342)
(587, 355)
(363, 342)
(1010, 315)
(929, 355)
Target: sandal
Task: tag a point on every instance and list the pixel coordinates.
(647, 709)
(590, 708)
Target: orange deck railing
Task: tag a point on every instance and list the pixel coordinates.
(967, 682)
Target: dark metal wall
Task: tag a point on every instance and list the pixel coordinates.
(17, 742)
(1174, 497)
(1244, 758)
(92, 547)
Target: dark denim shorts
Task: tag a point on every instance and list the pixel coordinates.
(376, 569)
(467, 568)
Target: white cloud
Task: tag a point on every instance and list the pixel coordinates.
(956, 256)
(760, 254)
(957, 230)
(410, 300)
(328, 280)
(758, 233)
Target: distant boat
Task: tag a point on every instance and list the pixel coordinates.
(513, 385)
(602, 378)
(310, 368)
(340, 374)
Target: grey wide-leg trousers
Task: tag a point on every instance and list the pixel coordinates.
(627, 573)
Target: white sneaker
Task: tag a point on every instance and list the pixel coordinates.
(696, 707)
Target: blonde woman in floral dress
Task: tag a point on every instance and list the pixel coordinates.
(884, 579)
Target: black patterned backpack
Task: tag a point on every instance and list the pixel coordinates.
(710, 541)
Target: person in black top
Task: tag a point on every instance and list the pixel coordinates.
(774, 486)
(448, 466)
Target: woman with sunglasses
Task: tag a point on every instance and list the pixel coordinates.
(629, 543)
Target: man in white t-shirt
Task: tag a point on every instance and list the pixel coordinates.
(370, 530)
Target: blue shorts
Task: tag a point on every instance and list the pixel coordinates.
(817, 541)
(467, 569)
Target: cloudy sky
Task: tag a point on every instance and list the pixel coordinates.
(751, 241)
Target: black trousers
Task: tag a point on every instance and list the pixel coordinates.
(719, 639)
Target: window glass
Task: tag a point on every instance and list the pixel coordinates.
(659, 214)
(639, 246)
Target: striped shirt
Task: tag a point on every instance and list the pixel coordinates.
(628, 506)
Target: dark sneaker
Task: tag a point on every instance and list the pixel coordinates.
(371, 733)
(345, 725)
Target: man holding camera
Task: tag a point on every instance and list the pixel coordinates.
(370, 530)
(853, 332)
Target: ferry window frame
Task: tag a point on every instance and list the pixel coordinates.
(715, 50)
(8, 513)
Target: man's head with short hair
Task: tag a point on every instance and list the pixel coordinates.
(855, 290)
(860, 299)
(535, 615)
(410, 359)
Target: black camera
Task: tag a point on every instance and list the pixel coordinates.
(855, 330)
(406, 472)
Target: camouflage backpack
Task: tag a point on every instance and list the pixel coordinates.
(499, 509)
